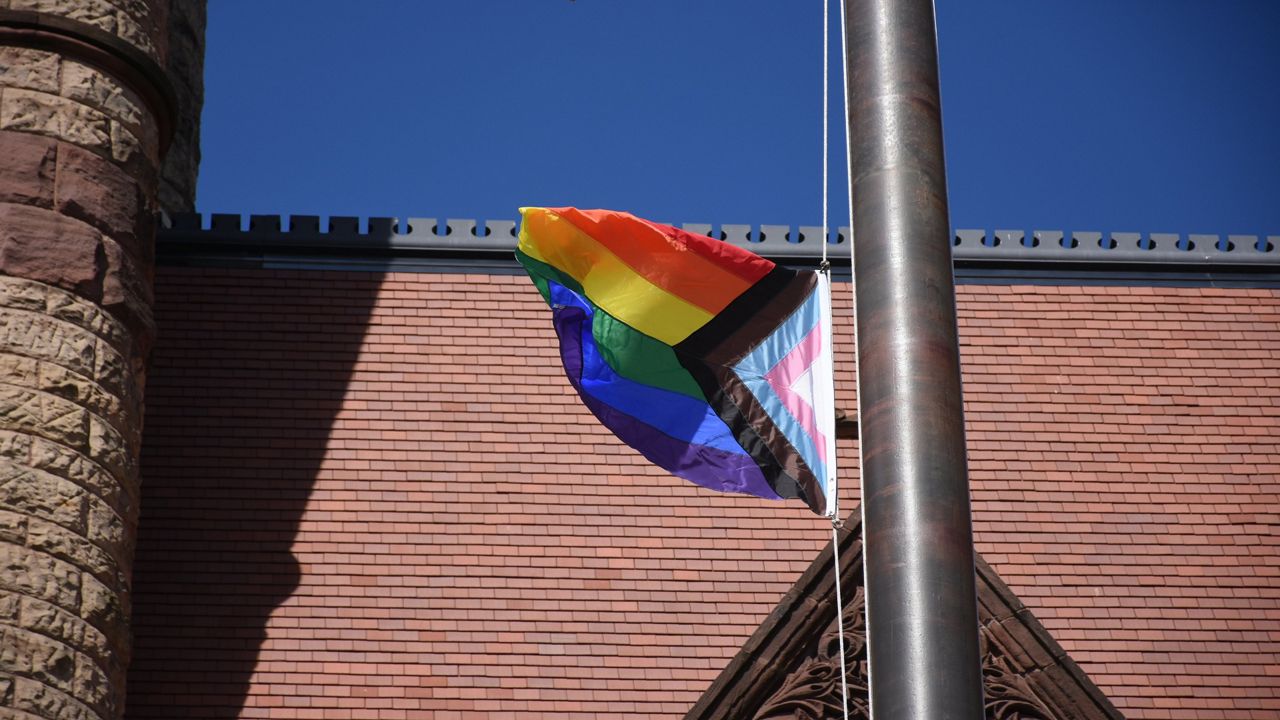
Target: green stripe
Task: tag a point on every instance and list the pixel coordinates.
(638, 357)
(631, 353)
(541, 272)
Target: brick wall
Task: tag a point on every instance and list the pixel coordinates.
(375, 496)
(1125, 453)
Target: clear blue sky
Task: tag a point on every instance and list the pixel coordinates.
(1115, 115)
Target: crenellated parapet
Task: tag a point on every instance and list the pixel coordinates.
(423, 242)
(1131, 247)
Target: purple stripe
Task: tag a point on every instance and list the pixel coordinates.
(706, 466)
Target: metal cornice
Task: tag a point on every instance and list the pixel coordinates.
(306, 241)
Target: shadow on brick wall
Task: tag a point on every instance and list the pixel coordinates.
(249, 372)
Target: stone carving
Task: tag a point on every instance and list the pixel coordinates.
(812, 690)
(1007, 694)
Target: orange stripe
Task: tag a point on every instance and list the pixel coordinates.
(706, 273)
(742, 263)
(609, 283)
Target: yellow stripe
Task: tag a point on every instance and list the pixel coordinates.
(609, 283)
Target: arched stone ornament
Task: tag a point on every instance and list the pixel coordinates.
(790, 668)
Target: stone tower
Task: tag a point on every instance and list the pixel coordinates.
(93, 94)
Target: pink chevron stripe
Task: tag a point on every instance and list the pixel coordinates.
(784, 375)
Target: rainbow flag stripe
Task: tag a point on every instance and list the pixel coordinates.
(712, 362)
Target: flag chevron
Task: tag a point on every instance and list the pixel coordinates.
(712, 362)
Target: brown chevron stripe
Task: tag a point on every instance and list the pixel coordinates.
(749, 319)
(709, 355)
(793, 471)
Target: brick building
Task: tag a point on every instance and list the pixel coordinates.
(368, 492)
(371, 492)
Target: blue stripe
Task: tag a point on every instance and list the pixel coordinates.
(752, 369)
(675, 414)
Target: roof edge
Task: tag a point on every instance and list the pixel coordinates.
(356, 243)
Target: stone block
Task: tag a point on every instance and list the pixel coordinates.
(40, 576)
(131, 20)
(75, 549)
(92, 87)
(21, 294)
(107, 528)
(126, 280)
(13, 658)
(41, 495)
(60, 382)
(140, 30)
(112, 369)
(27, 173)
(46, 702)
(94, 687)
(172, 195)
(136, 156)
(125, 147)
(15, 447)
(77, 468)
(139, 9)
(29, 69)
(39, 336)
(185, 59)
(38, 657)
(140, 157)
(110, 449)
(20, 370)
(103, 607)
(13, 527)
(54, 116)
(98, 13)
(42, 414)
(10, 608)
(70, 308)
(127, 294)
(66, 627)
(45, 246)
(93, 189)
(181, 168)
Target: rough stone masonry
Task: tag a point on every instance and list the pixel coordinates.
(92, 95)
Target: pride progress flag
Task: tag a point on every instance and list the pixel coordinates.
(711, 361)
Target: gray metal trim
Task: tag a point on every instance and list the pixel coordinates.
(1123, 247)
(187, 235)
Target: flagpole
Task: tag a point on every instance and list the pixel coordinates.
(922, 619)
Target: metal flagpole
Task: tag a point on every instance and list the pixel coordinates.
(922, 619)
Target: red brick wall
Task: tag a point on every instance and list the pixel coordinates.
(373, 496)
(1125, 456)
